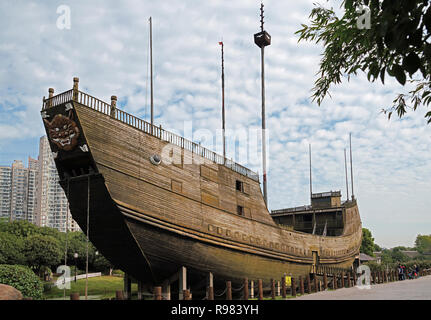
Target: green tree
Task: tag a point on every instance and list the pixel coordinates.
(387, 256)
(11, 249)
(423, 243)
(367, 245)
(395, 43)
(398, 256)
(19, 228)
(42, 251)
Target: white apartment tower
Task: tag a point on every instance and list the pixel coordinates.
(32, 180)
(5, 191)
(18, 199)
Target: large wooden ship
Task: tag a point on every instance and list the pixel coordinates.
(150, 216)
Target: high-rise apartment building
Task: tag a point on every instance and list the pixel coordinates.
(5, 191)
(18, 199)
(33, 169)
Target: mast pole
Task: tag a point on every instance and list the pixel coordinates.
(351, 166)
(347, 180)
(222, 104)
(265, 182)
(151, 74)
(263, 39)
(311, 184)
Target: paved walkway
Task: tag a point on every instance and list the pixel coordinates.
(417, 289)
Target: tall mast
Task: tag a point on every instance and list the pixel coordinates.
(351, 166)
(311, 185)
(347, 180)
(222, 99)
(263, 39)
(151, 74)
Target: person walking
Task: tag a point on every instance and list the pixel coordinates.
(400, 272)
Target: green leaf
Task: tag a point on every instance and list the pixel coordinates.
(427, 20)
(398, 72)
(348, 5)
(382, 75)
(411, 63)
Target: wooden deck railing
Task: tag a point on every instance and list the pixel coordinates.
(120, 115)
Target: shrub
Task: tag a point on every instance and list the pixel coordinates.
(22, 279)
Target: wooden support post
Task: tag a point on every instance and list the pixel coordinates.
(140, 290)
(315, 283)
(308, 283)
(335, 284)
(245, 289)
(210, 293)
(119, 295)
(50, 95)
(182, 282)
(210, 286)
(348, 280)
(354, 278)
(325, 281)
(113, 106)
(260, 289)
(127, 287)
(228, 290)
(74, 296)
(283, 287)
(166, 289)
(342, 279)
(75, 88)
(186, 295)
(293, 287)
(157, 293)
(301, 285)
(252, 289)
(272, 289)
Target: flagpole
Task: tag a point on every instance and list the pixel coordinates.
(351, 166)
(311, 184)
(222, 104)
(347, 179)
(151, 74)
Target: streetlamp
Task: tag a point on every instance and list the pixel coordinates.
(76, 257)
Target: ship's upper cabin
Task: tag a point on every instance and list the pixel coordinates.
(323, 217)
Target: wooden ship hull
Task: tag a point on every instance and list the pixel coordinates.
(201, 211)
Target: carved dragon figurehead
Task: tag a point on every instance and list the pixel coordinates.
(63, 131)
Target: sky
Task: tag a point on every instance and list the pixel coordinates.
(106, 46)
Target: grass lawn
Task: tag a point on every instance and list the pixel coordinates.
(103, 287)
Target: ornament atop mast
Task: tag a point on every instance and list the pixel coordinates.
(263, 39)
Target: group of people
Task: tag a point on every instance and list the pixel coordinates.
(404, 273)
